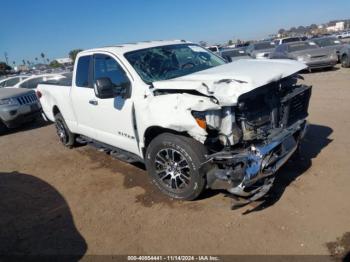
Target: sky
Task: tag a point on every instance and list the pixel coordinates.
(57, 26)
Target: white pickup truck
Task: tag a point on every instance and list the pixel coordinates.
(195, 121)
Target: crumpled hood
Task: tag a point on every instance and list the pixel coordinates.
(227, 82)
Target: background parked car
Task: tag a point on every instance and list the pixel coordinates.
(261, 49)
(17, 105)
(343, 35)
(233, 54)
(288, 40)
(307, 52)
(330, 43)
(11, 81)
(32, 82)
(345, 56)
(214, 48)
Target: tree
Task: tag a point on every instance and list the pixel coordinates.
(282, 31)
(36, 59)
(48, 60)
(43, 57)
(24, 62)
(301, 29)
(4, 68)
(73, 54)
(313, 26)
(230, 42)
(203, 43)
(54, 64)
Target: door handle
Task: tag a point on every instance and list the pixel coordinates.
(93, 102)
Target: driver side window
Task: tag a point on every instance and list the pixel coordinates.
(107, 67)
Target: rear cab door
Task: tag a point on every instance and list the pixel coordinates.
(82, 96)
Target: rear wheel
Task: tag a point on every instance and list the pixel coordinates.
(66, 137)
(174, 164)
(345, 61)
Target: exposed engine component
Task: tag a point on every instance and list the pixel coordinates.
(270, 108)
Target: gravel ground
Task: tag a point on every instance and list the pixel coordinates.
(55, 200)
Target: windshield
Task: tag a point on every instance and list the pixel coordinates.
(299, 46)
(327, 41)
(166, 62)
(290, 39)
(263, 45)
(234, 53)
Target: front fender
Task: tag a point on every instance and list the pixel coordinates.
(173, 111)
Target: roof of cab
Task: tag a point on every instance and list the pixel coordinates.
(124, 48)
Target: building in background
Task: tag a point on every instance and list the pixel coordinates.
(64, 61)
(336, 26)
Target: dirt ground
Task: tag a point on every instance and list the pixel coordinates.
(57, 200)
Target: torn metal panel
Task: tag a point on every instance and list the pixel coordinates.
(173, 111)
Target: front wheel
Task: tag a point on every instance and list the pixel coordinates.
(345, 61)
(174, 164)
(3, 128)
(66, 137)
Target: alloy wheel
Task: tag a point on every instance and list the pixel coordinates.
(172, 169)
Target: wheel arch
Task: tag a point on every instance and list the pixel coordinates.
(154, 131)
(55, 110)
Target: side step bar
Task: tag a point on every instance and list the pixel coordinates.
(113, 151)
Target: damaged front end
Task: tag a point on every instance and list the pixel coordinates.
(256, 126)
(258, 136)
(248, 172)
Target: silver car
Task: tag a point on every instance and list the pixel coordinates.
(261, 49)
(330, 43)
(307, 52)
(18, 105)
(233, 54)
(345, 56)
(11, 81)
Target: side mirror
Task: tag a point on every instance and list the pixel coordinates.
(104, 88)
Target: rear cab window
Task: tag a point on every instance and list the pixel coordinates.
(82, 72)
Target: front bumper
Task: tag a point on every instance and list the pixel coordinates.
(240, 172)
(318, 64)
(13, 116)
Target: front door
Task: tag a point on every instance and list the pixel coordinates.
(113, 117)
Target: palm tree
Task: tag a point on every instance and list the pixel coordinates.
(24, 62)
(14, 62)
(47, 59)
(36, 59)
(43, 57)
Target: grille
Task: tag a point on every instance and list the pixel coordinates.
(27, 99)
(318, 56)
(296, 107)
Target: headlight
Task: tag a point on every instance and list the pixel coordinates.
(200, 118)
(301, 58)
(333, 56)
(260, 55)
(8, 101)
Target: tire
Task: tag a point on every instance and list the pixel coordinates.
(174, 165)
(66, 137)
(3, 128)
(345, 61)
